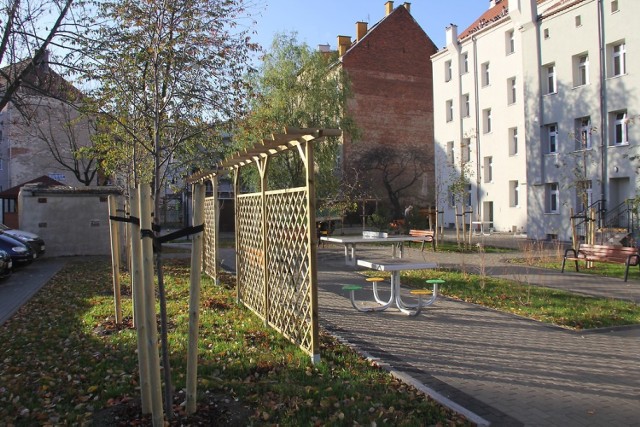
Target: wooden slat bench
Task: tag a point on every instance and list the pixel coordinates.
(603, 253)
(425, 237)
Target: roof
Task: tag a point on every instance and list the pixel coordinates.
(501, 9)
(397, 10)
(43, 181)
(42, 79)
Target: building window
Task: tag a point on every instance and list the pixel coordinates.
(551, 134)
(578, 21)
(546, 33)
(466, 150)
(452, 199)
(451, 155)
(584, 195)
(488, 169)
(514, 197)
(618, 59)
(553, 198)
(550, 72)
(614, 6)
(448, 74)
(583, 133)
(511, 90)
(513, 141)
(510, 42)
(620, 128)
(465, 63)
(449, 108)
(468, 196)
(486, 114)
(1, 165)
(581, 70)
(466, 105)
(485, 74)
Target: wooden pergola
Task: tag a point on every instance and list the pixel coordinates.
(276, 238)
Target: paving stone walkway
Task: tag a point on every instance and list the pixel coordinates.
(496, 368)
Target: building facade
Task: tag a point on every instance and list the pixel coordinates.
(389, 71)
(534, 104)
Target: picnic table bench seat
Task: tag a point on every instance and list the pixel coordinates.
(603, 253)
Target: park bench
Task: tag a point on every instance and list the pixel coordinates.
(425, 236)
(603, 253)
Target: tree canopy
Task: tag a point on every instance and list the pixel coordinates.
(162, 76)
(297, 87)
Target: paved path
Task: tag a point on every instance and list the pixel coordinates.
(497, 368)
(25, 281)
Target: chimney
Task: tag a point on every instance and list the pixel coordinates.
(361, 30)
(407, 6)
(492, 3)
(324, 48)
(344, 42)
(388, 7)
(451, 34)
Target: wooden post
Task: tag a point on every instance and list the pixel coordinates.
(115, 259)
(137, 292)
(313, 249)
(150, 305)
(194, 298)
(263, 164)
(239, 255)
(216, 229)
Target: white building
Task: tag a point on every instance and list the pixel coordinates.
(535, 103)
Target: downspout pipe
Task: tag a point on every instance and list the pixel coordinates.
(604, 131)
(477, 124)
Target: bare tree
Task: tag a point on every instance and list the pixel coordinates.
(399, 169)
(65, 132)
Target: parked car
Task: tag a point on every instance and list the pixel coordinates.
(6, 264)
(33, 240)
(19, 252)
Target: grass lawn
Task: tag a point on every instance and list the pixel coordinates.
(63, 361)
(544, 304)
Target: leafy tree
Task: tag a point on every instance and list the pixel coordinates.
(163, 75)
(300, 88)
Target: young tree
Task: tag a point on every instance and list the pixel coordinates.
(160, 75)
(163, 74)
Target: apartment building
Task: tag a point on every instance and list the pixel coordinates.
(534, 104)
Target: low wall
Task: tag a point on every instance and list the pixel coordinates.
(72, 221)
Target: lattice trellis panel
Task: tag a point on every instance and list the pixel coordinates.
(249, 250)
(210, 220)
(288, 265)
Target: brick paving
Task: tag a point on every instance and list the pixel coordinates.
(496, 368)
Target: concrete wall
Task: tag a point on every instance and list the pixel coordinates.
(71, 221)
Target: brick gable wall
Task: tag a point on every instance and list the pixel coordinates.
(391, 81)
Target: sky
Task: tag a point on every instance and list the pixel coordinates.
(321, 21)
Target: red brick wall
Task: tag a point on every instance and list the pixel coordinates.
(391, 82)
